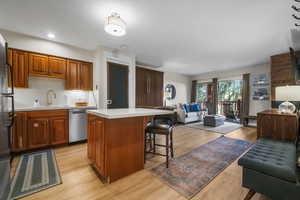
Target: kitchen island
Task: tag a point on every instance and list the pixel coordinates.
(116, 140)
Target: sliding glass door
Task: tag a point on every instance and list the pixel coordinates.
(230, 99)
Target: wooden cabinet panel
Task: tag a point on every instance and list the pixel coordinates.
(274, 125)
(86, 76)
(96, 152)
(73, 75)
(19, 133)
(35, 129)
(99, 138)
(282, 72)
(140, 87)
(57, 67)
(79, 75)
(20, 68)
(59, 130)
(91, 138)
(149, 88)
(38, 133)
(38, 64)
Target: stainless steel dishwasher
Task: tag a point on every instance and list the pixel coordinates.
(77, 125)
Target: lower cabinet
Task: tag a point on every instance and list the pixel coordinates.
(38, 133)
(59, 129)
(19, 132)
(36, 129)
(96, 143)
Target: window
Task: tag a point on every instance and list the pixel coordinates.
(201, 92)
(229, 90)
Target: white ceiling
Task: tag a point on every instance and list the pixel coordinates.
(189, 37)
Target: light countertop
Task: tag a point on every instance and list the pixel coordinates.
(128, 112)
(51, 107)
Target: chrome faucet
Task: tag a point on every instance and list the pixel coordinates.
(50, 94)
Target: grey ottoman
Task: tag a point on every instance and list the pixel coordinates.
(214, 120)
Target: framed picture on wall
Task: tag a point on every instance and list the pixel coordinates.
(261, 87)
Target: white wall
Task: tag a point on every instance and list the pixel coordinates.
(183, 85)
(255, 106)
(38, 87)
(102, 56)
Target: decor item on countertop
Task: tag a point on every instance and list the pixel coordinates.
(114, 25)
(36, 171)
(190, 173)
(228, 127)
(287, 94)
(81, 104)
(36, 102)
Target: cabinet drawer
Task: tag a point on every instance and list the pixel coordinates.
(48, 113)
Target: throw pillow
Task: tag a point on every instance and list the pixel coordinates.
(186, 107)
(195, 108)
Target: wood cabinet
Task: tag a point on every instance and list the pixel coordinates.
(278, 126)
(116, 146)
(282, 72)
(96, 142)
(19, 63)
(38, 64)
(149, 88)
(79, 75)
(59, 129)
(38, 132)
(19, 132)
(57, 67)
(47, 66)
(86, 76)
(36, 129)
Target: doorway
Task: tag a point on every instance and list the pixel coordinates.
(117, 85)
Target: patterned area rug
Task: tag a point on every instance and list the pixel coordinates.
(223, 129)
(36, 171)
(191, 172)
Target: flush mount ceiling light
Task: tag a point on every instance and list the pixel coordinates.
(114, 25)
(51, 35)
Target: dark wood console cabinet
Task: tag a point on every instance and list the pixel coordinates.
(278, 126)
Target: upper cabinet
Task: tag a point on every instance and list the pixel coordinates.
(19, 64)
(57, 67)
(38, 64)
(47, 66)
(149, 88)
(86, 76)
(72, 76)
(79, 75)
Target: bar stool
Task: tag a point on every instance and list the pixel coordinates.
(161, 125)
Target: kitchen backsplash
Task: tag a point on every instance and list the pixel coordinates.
(38, 88)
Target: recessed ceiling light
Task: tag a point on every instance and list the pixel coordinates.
(115, 25)
(51, 35)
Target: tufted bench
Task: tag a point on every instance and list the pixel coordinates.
(269, 168)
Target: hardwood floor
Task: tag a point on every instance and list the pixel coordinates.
(81, 182)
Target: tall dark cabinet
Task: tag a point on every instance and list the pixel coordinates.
(149, 88)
